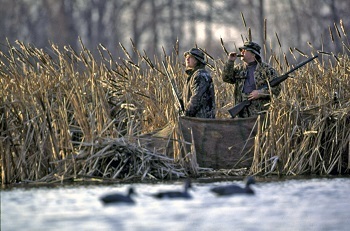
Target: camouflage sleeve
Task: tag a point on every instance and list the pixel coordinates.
(228, 74)
(277, 89)
(201, 81)
(270, 74)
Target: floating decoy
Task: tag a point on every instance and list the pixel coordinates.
(235, 189)
(175, 194)
(119, 198)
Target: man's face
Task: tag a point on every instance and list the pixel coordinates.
(248, 56)
(190, 61)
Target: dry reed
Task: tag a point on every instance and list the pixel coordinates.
(59, 106)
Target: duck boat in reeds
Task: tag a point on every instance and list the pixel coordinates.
(221, 143)
(218, 143)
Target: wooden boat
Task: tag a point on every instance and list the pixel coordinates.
(219, 143)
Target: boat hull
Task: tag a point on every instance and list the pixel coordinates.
(221, 143)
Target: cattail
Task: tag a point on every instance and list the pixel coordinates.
(133, 46)
(176, 47)
(292, 53)
(331, 34)
(249, 34)
(125, 51)
(337, 30)
(300, 52)
(285, 59)
(265, 30)
(244, 23)
(346, 46)
(148, 61)
(278, 40)
(223, 46)
(342, 27)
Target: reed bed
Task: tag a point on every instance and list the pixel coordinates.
(59, 105)
(66, 114)
(306, 130)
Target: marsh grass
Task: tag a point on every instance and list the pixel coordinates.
(307, 129)
(66, 114)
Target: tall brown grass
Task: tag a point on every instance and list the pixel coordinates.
(66, 114)
(306, 129)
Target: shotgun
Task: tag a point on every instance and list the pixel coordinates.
(179, 102)
(240, 106)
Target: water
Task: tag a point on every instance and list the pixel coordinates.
(304, 204)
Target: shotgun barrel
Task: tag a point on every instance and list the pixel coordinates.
(174, 89)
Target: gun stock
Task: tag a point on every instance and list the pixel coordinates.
(240, 106)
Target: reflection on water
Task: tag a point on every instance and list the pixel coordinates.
(306, 204)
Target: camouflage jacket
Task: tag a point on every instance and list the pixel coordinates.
(236, 74)
(198, 94)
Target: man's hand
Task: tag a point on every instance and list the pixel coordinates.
(255, 94)
(232, 56)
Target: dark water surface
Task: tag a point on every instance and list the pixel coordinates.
(290, 204)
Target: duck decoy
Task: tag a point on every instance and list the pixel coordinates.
(119, 198)
(175, 194)
(235, 189)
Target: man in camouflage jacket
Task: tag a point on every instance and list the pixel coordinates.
(248, 77)
(198, 92)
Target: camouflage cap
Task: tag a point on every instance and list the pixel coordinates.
(251, 46)
(198, 54)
